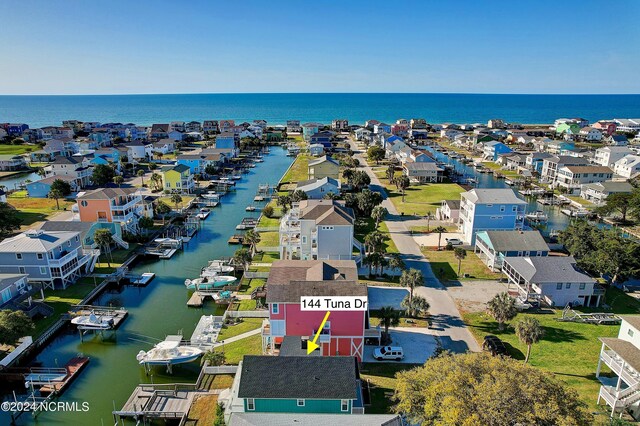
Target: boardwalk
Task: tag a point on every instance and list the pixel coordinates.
(446, 319)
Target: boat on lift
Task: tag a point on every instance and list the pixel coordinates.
(94, 322)
(204, 213)
(216, 267)
(251, 208)
(169, 352)
(209, 282)
(537, 216)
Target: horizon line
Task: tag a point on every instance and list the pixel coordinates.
(318, 93)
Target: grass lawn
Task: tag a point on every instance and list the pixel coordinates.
(119, 256)
(31, 210)
(498, 168)
(366, 225)
(61, 301)
(445, 265)
(269, 239)
(186, 199)
(374, 320)
(234, 351)
(426, 230)
(584, 203)
(248, 285)
(222, 381)
(268, 222)
(569, 350)
(298, 171)
(16, 149)
(246, 324)
(422, 199)
(270, 257)
(382, 384)
(203, 411)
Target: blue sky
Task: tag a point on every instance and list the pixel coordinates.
(468, 46)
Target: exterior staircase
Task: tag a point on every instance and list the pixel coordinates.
(122, 243)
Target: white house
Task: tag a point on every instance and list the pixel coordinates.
(554, 280)
(422, 172)
(598, 192)
(620, 387)
(318, 188)
(627, 166)
(608, 155)
(316, 149)
(590, 134)
(449, 210)
(318, 229)
(573, 177)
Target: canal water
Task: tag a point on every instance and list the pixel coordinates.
(154, 311)
(557, 220)
(15, 181)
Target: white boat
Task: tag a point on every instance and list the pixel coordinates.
(509, 182)
(537, 216)
(216, 267)
(250, 208)
(211, 195)
(258, 160)
(169, 352)
(580, 213)
(236, 177)
(93, 322)
(204, 213)
(209, 282)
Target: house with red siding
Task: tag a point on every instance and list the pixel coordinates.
(345, 331)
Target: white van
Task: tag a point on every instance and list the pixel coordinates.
(388, 352)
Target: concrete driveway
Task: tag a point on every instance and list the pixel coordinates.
(418, 345)
(386, 296)
(431, 240)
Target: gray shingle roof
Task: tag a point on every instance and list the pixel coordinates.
(634, 320)
(610, 186)
(292, 377)
(326, 212)
(294, 290)
(322, 160)
(503, 241)
(107, 193)
(626, 350)
(549, 269)
(421, 166)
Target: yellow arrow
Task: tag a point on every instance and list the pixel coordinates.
(311, 344)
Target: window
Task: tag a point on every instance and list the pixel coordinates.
(568, 285)
(84, 203)
(630, 332)
(559, 286)
(251, 404)
(19, 256)
(304, 239)
(21, 269)
(77, 238)
(344, 405)
(514, 208)
(168, 185)
(300, 403)
(43, 270)
(275, 308)
(582, 286)
(40, 256)
(502, 208)
(489, 205)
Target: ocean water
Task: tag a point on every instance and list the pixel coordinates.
(39, 111)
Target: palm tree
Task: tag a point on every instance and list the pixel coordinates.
(213, 358)
(374, 260)
(402, 183)
(396, 262)
(118, 180)
(241, 257)
(373, 242)
(56, 194)
(415, 306)
(389, 317)
(529, 332)
(253, 238)
(502, 308)
(378, 213)
(140, 174)
(460, 254)
(162, 209)
(411, 278)
(104, 240)
(390, 173)
(157, 180)
(176, 199)
(439, 230)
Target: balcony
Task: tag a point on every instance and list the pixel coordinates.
(266, 328)
(325, 335)
(620, 368)
(129, 205)
(64, 259)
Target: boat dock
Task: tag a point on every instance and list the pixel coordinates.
(164, 248)
(153, 402)
(140, 280)
(118, 314)
(247, 223)
(198, 298)
(71, 369)
(206, 332)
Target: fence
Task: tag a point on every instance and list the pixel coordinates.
(250, 274)
(248, 314)
(267, 228)
(221, 369)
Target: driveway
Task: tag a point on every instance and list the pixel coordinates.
(386, 296)
(418, 344)
(431, 240)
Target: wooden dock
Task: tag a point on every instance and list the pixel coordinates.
(196, 300)
(73, 368)
(153, 402)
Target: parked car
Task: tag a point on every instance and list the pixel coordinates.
(454, 241)
(388, 352)
(494, 345)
